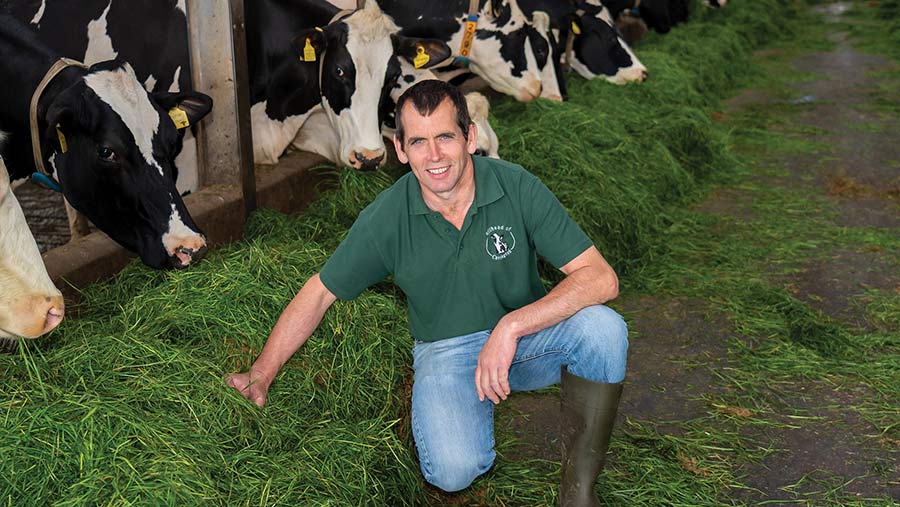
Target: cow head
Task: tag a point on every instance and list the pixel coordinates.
(114, 147)
(30, 305)
(357, 58)
(598, 49)
(547, 57)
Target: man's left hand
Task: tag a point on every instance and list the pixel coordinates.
(494, 360)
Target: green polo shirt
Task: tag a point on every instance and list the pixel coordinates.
(458, 281)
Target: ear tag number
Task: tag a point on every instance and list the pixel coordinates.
(421, 58)
(62, 140)
(309, 52)
(575, 29)
(179, 117)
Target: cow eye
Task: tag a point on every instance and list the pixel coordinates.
(339, 70)
(106, 153)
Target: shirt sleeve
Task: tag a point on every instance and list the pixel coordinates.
(556, 237)
(355, 264)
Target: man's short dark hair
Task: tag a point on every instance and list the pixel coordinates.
(426, 96)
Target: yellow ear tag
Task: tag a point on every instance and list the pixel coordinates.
(179, 117)
(309, 52)
(575, 29)
(62, 140)
(421, 58)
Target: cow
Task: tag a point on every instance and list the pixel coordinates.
(30, 305)
(110, 144)
(308, 57)
(511, 52)
(659, 15)
(597, 48)
(92, 31)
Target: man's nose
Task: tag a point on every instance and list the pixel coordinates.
(433, 152)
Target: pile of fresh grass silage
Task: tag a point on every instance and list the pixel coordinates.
(126, 404)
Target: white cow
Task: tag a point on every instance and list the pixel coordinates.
(30, 305)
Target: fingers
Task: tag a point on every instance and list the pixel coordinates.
(478, 382)
(249, 389)
(491, 382)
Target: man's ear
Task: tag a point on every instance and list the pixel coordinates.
(422, 53)
(398, 147)
(194, 105)
(472, 141)
(309, 45)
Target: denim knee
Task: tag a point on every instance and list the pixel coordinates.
(601, 336)
(455, 473)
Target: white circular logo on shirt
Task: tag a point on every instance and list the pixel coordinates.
(499, 241)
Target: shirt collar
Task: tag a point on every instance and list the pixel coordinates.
(487, 188)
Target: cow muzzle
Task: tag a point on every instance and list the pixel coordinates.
(366, 160)
(530, 92)
(188, 250)
(33, 315)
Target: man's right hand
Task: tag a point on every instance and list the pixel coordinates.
(251, 385)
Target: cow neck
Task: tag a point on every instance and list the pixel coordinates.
(465, 46)
(57, 67)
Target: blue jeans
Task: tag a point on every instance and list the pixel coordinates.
(454, 432)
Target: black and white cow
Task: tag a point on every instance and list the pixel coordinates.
(108, 141)
(510, 51)
(598, 50)
(659, 15)
(30, 305)
(352, 62)
(92, 31)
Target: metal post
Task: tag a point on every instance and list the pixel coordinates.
(219, 69)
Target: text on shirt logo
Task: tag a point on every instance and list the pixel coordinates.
(499, 241)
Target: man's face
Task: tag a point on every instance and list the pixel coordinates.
(437, 151)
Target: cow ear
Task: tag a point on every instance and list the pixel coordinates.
(185, 108)
(60, 119)
(571, 23)
(541, 21)
(422, 53)
(310, 44)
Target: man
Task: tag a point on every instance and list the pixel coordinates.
(460, 234)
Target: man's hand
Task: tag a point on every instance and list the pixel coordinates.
(492, 372)
(251, 385)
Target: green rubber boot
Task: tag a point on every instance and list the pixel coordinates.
(588, 414)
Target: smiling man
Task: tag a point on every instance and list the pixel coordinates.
(461, 236)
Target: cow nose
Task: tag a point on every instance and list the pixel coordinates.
(54, 313)
(644, 75)
(367, 160)
(190, 250)
(480, 152)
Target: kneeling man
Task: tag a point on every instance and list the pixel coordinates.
(461, 236)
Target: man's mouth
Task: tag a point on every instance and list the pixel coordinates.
(439, 170)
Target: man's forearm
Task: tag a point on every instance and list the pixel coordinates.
(591, 282)
(297, 322)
